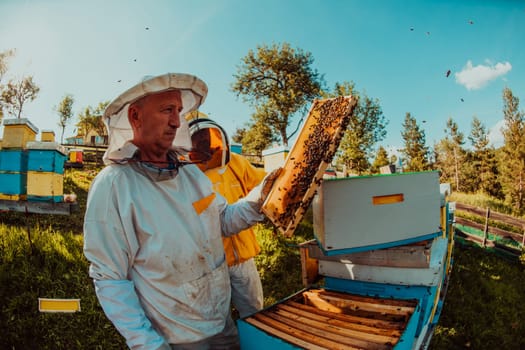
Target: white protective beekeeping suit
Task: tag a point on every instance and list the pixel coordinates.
(153, 236)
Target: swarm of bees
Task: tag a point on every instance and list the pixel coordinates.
(309, 157)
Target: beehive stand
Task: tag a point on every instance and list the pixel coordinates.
(312, 152)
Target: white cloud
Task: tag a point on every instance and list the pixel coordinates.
(476, 77)
(495, 135)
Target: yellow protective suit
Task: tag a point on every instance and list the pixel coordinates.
(234, 181)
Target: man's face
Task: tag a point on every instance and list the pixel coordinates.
(207, 148)
(201, 141)
(155, 119)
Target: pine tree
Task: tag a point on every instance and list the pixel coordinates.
(484, 161)
(380, 160)
(415, 150)
(451, 155)
(513, 156)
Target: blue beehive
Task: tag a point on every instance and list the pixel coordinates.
(13, 160)
(46, 157)
(12, 185)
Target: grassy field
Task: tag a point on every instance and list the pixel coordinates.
(483, 309)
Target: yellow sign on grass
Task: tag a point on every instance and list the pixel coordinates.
(58, 305)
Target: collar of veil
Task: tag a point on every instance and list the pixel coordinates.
(193, 93)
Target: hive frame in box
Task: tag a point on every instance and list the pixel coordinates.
(293, 191)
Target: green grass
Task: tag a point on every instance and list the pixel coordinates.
(483, 201)
(53, 266)
(484, 306)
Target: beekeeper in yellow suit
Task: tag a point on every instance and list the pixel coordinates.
(233, 176)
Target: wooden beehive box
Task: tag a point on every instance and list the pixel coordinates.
(13, 160)
(12, 185)
(47, 136)
(374, 212)
(312, 152)
(17, 132)
(45, 156)
(45, 187)
(429, 275)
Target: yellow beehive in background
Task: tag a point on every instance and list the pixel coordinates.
(45, 186)
(17, 132)
(47, 136)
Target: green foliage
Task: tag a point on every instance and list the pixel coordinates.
(450, 156)
(91, 119)
(258, 136)
(415, 149)
(366, 128)
(484, 306)
(483, 201)
(380, 160)
(279, 262)
(512, 164)
(279, 81)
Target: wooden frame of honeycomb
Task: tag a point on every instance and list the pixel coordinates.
(293, 191)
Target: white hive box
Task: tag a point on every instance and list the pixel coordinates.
(408, 276)
(274, 158)
(375, 212)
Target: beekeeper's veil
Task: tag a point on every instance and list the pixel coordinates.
(193, 93)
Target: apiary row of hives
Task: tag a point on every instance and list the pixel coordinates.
(30, 170)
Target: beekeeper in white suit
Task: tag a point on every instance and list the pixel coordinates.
(153, 225)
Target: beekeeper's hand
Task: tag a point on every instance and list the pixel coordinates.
(259, 193)
(267, 184)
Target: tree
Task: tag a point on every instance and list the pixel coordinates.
(513, 156)
(451, 155)
(255, 138)
(16, 93)
(91, 119)
(483, 158)
(4, 57)
(415, 151)
(65, 113)
(279, 81)
(366, 128)
(380, 160)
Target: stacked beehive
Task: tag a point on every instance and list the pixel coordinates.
(30, 170)
(45, 171)
(13, 158)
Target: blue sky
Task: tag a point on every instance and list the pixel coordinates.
(395, 51)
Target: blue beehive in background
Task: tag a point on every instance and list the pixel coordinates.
(45, 156)
(13, 160)
(13, 185)
(13, 174)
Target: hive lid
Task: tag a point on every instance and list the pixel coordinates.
(45, 145)
(293, 191)
(21, 121)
